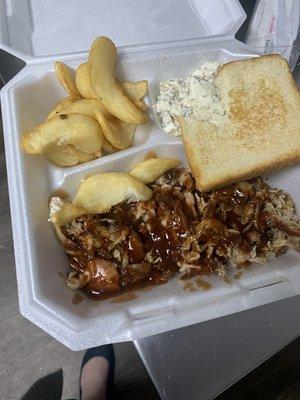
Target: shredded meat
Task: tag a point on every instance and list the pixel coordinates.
(179, 230)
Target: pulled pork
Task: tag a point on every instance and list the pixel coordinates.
(179, 230)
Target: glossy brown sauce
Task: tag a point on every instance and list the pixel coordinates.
(154, 245)
(227, 280)
(163, 242)
(202, 284)
(124, 294)
(194, 284)
(123, 298)
(245, 266)
(189, 286)
(77, 298)
(238, 275)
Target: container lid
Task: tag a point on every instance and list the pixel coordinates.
(53, 27)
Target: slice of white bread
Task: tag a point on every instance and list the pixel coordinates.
(260, 130)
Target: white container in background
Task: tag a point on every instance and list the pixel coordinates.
(157, 40)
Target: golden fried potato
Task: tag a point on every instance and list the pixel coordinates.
(87, 107)
(118, 133)
(94, 109)
(149, 170)
(83, 83)
(83, 132)
(109, 148)
(61, 105)
(68, 156)
(135, 91)
(102, 65)
(140, 105)
(66, 214)
(99, 153)
(64, 76)
(99, 193)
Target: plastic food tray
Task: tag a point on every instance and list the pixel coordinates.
(41, 32)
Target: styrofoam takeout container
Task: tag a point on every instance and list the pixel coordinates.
(41, 32)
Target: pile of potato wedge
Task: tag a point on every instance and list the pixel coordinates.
(98, 117)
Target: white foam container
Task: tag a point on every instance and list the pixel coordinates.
(41, 32)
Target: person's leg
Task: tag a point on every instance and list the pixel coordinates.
(97, 373)
(94, 379)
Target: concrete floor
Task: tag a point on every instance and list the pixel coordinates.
(27, 353)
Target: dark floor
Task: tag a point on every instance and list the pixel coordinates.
(276, 379)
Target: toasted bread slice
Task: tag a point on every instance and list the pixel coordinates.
(260, 130)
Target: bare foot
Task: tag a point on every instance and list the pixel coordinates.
(94, 379)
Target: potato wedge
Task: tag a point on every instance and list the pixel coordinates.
(141, 105)
(68, 156)
(133, 90)
(61, 105)
(99, 153)
(119, 134)
(149, 170)
(64, 157)
(92, 108)
(87, 107)
(102, 65)
(64, 76)
(109, 148)
(66, 214)
(99, 193)
(83, 132)
(136, 91)
(83, 83)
